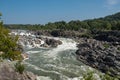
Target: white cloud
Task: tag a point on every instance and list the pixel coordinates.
(112, 2)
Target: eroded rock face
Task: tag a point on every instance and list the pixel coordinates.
(100, 55)
(8, 73)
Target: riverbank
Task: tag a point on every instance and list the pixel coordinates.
(100, 55)
(98, 49)
(8, 72)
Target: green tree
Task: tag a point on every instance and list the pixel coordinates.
(8, 44)
(0, 15)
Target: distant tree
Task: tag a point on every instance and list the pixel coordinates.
(0, 14)
(110, 22)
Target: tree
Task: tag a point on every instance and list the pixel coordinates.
(8, 44)
(0, 15)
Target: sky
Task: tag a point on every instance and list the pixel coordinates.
(44, 11)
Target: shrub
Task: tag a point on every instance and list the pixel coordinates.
(89, 76)
(107, 77)
(19, 67)
(106, 45)
(118, 48)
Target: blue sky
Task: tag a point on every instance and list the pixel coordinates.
(44, 11)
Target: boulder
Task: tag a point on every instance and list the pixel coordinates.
(53, 42)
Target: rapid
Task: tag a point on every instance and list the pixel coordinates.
(58, 63)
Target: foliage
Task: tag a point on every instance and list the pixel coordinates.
(0, 15)
(89, 76)
(107, 77)
(106, 45)
(111, 22)
(8, 44)
(19, 67)
(118, 48)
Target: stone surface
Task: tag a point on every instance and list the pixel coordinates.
(109, 36)
(95, 54)
(53, 42)
(7, 72)
(38, 41)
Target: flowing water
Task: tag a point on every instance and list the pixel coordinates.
(56, 63)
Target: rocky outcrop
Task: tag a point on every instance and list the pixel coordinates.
(100, 55)
(7, 72)
(62, 33)
(43, 32)
(52, 42)
(109, 36)
(68, 33)
(38, 41)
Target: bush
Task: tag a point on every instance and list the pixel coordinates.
(118, 48)
(90, 76)
(19, 67)
(107, 77)
(106, 45)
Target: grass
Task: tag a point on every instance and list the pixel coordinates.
(106, 45)
(90, 76)
(118, 48)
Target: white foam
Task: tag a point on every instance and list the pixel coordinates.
(96, 76)
(76, 78)
(42, 42)
(43, 78)
(38, 68)
(67, 44)
(31, 52)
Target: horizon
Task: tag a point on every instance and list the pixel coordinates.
(44, 11)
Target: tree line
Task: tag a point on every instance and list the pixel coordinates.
(111, 22)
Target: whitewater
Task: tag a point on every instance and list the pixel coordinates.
(59, 63)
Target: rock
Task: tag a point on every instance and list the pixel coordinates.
(7, 72)
(24, 56)
(44, 45)
(43, 32)
(110, 36)
(52, 42)
(93, 53)
(30, 75)
(37, 41)
(84, 45)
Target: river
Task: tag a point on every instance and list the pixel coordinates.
(58, 63)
